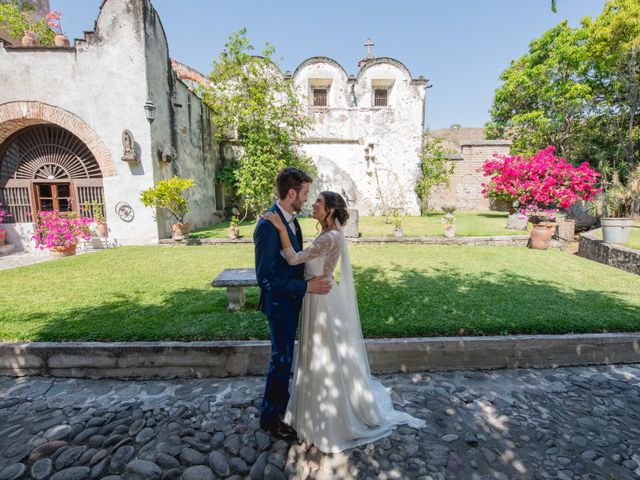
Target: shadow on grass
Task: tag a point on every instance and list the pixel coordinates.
(186, 314)
(221, 230)
(401, 302)
(394, 302)
(497, 214)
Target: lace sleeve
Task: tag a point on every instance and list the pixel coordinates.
(321, 246)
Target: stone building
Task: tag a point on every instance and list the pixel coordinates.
(367, 130)
(112, 115)
(467, 149)
(101, 121)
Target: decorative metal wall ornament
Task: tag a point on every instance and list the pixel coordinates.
(125, 212)
(128, 147)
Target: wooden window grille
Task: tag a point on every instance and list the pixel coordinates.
(320, 97)
(17, 202)
(381, 97)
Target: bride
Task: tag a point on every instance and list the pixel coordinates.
(336, 403)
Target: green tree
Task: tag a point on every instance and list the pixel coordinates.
(15, 20)
(576, 89)
(435, 169)
(169, 195)
(254, 103)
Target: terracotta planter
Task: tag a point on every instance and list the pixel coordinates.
(101, 229)
(28, 41)
(3, 237)
(180, 231)
(449, 230)
(541, 234)
(234, 232)
(61, 41)
(63, 251)
(397, 232)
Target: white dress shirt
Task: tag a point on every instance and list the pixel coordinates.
(287, 216)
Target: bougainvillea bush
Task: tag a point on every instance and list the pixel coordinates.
(56, 230)
(543, 182)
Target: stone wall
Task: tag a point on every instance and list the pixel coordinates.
(182, 141)
(465, 185)
(616, 256)
(350, 127)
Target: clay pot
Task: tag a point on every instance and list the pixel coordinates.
(180, 231)
(28, 41)
(449, 230)
(101, 229)
(540, 237)
(3, 236)
(234, 232)
(63, 251)
(61, 41)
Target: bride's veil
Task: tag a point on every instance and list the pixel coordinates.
(347, 290)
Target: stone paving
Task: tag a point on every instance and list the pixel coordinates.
(22, 259)
(567, 423)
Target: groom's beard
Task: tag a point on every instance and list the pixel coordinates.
(297, 205)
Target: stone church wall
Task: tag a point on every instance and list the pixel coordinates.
(182, 134)
(357, 146)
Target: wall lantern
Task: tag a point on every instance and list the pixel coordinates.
(150, 110)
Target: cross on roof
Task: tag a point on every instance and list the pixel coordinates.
(369, 44)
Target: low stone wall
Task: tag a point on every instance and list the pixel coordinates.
(240, 358)
(616, 256)
(509, 240)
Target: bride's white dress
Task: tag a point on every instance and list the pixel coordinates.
(336, 403)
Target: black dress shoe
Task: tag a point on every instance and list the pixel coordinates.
(280, 430)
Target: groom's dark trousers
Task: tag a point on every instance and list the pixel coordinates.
(282, 287)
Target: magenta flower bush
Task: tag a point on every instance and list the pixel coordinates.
(55, 230)
(3, 214)
(543, 183)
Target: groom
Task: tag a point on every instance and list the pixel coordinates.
(282, 287)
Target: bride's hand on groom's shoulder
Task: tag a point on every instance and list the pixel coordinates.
(273, 218)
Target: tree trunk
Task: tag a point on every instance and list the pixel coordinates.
(632, 114)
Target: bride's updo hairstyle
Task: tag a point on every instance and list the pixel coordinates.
(334, 200)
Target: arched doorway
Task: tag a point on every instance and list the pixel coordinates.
(45, 167)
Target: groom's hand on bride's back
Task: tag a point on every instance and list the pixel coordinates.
(318, 285)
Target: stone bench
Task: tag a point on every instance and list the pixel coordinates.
(235, 280)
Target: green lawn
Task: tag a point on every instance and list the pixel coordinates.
(153, 293)
(634, 236)
(472, 224)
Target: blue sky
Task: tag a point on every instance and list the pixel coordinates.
(462, 46)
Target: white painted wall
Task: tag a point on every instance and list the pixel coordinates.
(350, 123)
(102, 82)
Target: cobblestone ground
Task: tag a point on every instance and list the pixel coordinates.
(558, 424)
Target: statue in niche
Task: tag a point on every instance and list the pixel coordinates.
(128, 147)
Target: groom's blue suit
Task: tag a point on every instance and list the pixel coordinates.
(282, 288)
